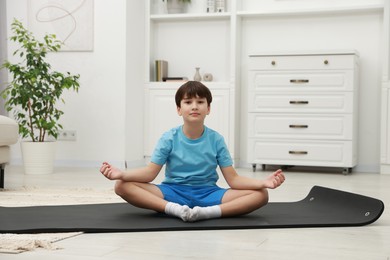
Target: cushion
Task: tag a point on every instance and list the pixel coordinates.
(9, 131)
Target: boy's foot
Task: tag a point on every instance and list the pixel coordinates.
(199, 213)
(177, 210)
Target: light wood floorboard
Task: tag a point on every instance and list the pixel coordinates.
(367, 243)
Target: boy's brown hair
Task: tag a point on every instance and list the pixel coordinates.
(192, 89)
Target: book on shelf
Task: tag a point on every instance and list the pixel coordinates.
(175, 79)
(161, 69)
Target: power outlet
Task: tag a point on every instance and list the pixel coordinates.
(67, 135)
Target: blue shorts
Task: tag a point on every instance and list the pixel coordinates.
(192, 196)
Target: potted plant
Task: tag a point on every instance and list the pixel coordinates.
(176, 6)
(33, 95)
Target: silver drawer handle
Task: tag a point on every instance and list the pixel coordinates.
(299, 126)
(299, 81)
(298, 152)
(299, 102)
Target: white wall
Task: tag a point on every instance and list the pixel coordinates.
(98, 111)
(135, 71)
(3, 50)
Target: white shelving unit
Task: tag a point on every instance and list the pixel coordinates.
(186, 41)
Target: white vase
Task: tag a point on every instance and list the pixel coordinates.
(175, 6)
(38, 157)
(197, 76)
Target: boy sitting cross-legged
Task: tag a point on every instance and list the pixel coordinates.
(191, 153)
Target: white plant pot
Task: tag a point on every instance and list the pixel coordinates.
(197, 6)
(38, 157)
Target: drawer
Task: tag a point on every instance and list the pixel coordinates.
(336, 127)
(302, 62)
(304, 153)
(338, 102)
(301, 81)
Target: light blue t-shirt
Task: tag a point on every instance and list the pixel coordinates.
(191, 161)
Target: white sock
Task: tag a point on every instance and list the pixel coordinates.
(178, 210)
(199, 213)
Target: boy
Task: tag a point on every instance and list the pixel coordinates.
(192, 153)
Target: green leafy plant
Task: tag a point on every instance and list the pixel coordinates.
(35, 89)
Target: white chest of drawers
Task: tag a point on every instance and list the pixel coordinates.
(302, 110)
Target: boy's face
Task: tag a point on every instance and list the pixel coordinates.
(193, 109)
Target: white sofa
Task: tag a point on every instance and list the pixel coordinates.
(9, 134)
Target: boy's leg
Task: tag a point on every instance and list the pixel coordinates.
(149, 196)
(240, 202)
(142, 195)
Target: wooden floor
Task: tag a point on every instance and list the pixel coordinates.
(367, 243)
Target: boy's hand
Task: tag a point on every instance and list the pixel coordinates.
(111, 172)
(275, 179)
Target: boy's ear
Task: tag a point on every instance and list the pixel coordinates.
(178, 111)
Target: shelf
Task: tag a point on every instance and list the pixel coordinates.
(190, 16)
(311, 11)
(175, 85)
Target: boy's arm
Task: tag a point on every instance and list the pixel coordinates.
(145, 174)
(238, 182)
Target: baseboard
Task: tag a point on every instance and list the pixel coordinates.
(135, 164)
(120, 164)
(368, 168)
(385, 169)
(89, 164)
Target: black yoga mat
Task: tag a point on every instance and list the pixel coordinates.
(323, 207)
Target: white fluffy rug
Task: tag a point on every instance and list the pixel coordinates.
(32, 196)
(18, 243)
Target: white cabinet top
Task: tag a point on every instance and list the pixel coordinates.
(306, 53)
